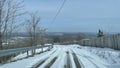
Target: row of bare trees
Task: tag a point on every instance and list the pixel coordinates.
(36, 33)
(10, 11)
(11, 19)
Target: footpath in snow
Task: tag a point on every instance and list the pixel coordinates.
(70, 56)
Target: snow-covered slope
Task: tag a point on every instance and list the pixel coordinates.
(70, 56)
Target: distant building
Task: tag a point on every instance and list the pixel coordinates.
(100, 33)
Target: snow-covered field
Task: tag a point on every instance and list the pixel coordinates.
(69, 56)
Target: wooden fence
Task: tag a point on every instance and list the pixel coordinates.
(112, 41)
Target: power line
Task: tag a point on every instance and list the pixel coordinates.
(59, 10)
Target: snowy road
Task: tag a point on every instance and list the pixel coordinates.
(61, 57)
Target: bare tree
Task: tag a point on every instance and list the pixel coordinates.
(10, 11)
(40, 39)
(33, 23)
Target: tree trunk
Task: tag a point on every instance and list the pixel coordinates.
(0, 25)
(1, 41)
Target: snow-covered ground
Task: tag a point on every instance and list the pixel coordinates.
(66, 56)
(111, 56)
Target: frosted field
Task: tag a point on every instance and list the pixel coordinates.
(69, 56)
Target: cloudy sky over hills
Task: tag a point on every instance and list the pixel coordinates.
(78, 15)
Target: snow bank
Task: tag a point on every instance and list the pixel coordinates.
(110, 55)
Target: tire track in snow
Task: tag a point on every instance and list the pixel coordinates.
(61, 60)
(50, 60)
(72, 61)
(40, 62)
(88, 58)
(76, 61)
(68, 61)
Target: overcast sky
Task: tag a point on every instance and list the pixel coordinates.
(78, 15)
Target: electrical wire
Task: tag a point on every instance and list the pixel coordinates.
(59, 10)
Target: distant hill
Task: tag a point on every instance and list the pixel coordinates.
(49, 34)
(25, 34)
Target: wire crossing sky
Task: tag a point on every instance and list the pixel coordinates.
(59, 10)
(78, 15)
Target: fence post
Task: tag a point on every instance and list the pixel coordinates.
(27, 53)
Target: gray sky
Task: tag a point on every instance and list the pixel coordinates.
(78, 15)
